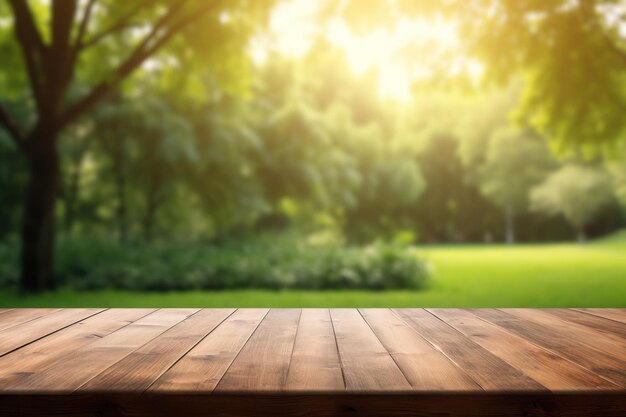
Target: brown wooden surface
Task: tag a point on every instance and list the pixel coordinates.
(111, 361)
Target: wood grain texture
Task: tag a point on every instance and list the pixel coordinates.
(22, 334)
(607, 326)
(315, 364)
(15, 316)
(263, 362)
(615, 314)
(488, 370)
(367, 365)
(18, 365)
(609, 364)
(605, 341)
(137, 371)
(426, 368)
(77, 367)
(547, 368)
(204, 366)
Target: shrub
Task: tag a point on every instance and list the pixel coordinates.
(270, 262)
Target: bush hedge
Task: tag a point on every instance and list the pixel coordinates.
(268, 262)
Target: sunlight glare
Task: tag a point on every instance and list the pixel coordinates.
(294, 25)
(401, 55)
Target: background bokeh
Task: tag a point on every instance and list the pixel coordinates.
(298, 153)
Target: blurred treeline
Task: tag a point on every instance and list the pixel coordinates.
(312, 146)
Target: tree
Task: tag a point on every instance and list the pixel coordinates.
(13, 176)
(455, 130)
(571, 54)
(451, 208)
(82, 38)
(576, 192)
(516, 161)
(376, 195)
(148, 145)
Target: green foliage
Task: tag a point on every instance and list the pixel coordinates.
(451, 208)
(617, 169)
(198, 145)
(472, 276)
(386, 180)
(270, 261)
(516, 160)
(576, 192)
(571, 55)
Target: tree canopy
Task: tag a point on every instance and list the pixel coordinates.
(194, 119)
(576, 192)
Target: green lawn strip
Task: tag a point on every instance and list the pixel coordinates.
(559, 275)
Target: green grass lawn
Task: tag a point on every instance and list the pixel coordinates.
(551, 275)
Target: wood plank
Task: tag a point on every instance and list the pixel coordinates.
(137, 371)
(367, 366)
(17, 316)
(549, 369)
(600, 324)
(492, 373)
(606, 342)
(426, 368)
(17, 336)
(616, 314)
(263, 362)
(23, 362)
(567, 345)
(315, 362)
(201, 369)
(74, 369)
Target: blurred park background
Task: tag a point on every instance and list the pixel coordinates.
(305, 153)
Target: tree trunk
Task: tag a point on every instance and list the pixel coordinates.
(37, 258)
(581, 236)
(509, 225)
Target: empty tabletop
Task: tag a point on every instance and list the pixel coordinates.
(313, 361)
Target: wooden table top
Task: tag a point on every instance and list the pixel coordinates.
(212, 351)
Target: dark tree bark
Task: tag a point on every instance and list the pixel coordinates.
(50, 69)
(37, 258)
